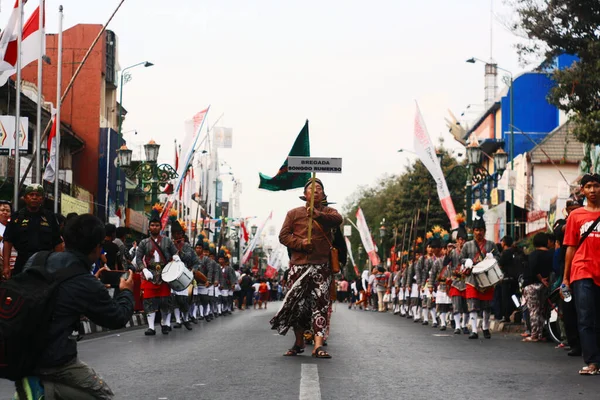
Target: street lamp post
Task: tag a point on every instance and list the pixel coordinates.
(360, 253)
(149, 171)
(146, 64)
(511, 154)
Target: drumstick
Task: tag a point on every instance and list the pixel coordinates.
(199, 276)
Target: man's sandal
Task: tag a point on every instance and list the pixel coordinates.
(294, 351)
(591, 369)
(321, 353)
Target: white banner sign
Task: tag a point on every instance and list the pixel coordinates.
(7, 135)
(347, 230)
(314, 164)
(426, 152)
(223, 137)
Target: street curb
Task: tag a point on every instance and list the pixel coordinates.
(89, 327)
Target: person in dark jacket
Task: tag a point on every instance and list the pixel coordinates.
(63, 375)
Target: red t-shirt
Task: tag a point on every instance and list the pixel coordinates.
(586, 261)
(263, 288)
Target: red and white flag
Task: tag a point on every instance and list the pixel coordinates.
(426, 152)
(50, 171)
(33, 37)
(254, 241)
(245, 234)
(365, 237)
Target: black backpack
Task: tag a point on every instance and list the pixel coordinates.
(26, 307)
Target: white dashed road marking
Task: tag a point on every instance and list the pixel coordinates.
(309, 383)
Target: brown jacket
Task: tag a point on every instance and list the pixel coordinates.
(295, 229)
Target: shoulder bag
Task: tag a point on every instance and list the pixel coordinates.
(334, 255)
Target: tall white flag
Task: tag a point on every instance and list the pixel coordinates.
(366, 238)
(426, 152)
(254, 240)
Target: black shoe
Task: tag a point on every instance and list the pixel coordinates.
(165, 329)
(194, 320)
(169, 328)
(425, 323)
(443, 328)
(473, 336)
(208, 319)
(150, 332)
(466, 330)
(434, 325)
(187, 325)
(200, 318)
(487, 334)
(457, 331)
(574, 352)
(416, 320)
(177, 325)
(409, 317)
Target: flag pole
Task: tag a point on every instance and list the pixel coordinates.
(70, 85)
(18, 109)
(38, 123)
(427, 217)
(58, 102)
(312, 204)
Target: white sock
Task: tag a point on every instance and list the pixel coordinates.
(485, 325)
(433, 315)
(177, 315)
(414, 312)
(443, 317)
(151, 318)
(425, 315)
(473, 316)
(166, 319)
(192, 311)
(457, 321)
(465, 319)
(220, 308)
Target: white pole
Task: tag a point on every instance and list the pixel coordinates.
(38, 123)
(18, 109)
(58, 102)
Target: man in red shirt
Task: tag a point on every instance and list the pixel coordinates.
(582, 270)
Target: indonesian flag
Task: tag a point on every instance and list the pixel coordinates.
(50, 171)
(365, 237)
(30, 46)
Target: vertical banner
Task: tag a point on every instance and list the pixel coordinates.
(252, 244)
(349, 247)
(366, 238)
(189, 146)
(426, 152)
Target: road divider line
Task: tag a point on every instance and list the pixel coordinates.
(310, 388)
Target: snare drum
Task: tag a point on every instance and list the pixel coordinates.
(487, 273)
(177, 275)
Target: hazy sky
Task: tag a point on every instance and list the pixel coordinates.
(353, 68)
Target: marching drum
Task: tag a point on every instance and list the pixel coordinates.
(487, 273)
(177, 275)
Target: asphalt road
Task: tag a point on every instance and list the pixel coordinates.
(375, 356)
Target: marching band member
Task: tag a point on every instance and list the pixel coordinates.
(190, 259)
(422, 270)
(473, 252)
(152, 254)
(213, 276)
(458, 286)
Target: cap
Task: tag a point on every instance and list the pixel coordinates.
(34, 188)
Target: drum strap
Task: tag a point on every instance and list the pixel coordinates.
(480, 251)
(157, 248)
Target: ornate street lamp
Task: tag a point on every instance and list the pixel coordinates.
(151, 150)
(500, 161)
(124, 156)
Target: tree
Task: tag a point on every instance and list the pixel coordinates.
(400, 198)
(558, 27)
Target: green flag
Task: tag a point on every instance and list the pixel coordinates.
(285, 180)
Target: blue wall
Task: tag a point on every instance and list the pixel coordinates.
(112, 173)
(532, 112)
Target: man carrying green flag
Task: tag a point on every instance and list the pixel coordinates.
(285, 180)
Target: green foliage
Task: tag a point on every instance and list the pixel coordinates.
(398, 199)
(556, 27)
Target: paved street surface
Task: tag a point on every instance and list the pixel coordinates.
(375, 357)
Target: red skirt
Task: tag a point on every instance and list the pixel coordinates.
(486, 295)
(455, 292)
(151, 290)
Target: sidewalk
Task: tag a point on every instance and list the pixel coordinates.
(137, 319)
